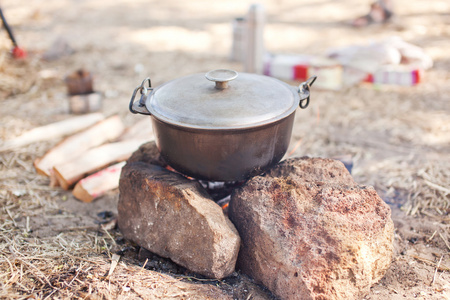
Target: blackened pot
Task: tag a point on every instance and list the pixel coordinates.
(227, 132)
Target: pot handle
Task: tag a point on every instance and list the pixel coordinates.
(303, 91)
(140, 107)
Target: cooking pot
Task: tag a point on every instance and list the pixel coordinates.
(227, 131)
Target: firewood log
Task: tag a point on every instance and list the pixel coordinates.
(93, 160)
(52, 131)
(75, 145)
(97, 184)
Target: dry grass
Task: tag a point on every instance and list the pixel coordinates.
(78, 265)
(75, 262)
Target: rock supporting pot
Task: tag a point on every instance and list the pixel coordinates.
(309, 231)
(174, 217)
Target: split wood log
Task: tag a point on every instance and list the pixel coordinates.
(52, 131)
(104, 131)
(97, 184)
(93, 160)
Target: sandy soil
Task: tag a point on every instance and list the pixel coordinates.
(398, 137)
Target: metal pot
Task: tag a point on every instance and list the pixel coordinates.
(229, 131)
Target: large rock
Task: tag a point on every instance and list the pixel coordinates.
(309, 232)
(174, 217)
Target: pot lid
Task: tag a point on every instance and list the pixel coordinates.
(234, 101)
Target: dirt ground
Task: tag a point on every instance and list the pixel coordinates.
(53, 246)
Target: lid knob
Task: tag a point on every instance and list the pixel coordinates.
(221, 77)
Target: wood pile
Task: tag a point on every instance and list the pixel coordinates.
(91, 154)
